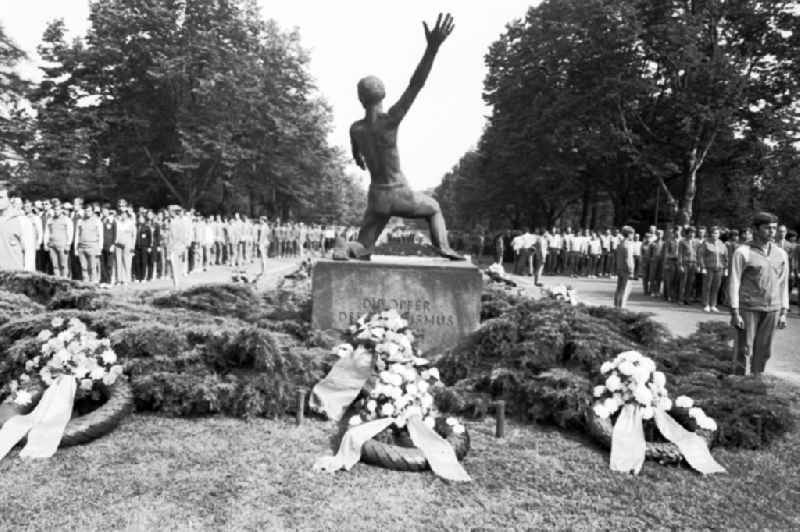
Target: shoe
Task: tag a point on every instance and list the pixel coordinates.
(714, 309)
(706, 309)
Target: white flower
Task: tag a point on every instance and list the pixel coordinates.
(387, 410)
(626, 367)
(612, 404)
(664, 403)
(696, 412)
(648, 412)
(659, 379)
(343, 350)
(606, 367)
(426, 400)
(430, 421)
(44, 335)
(684, 401)
(411, 389)
(648, 364)
(24, 378)
(433, 373)
(395, 392)
(458, 429)
(423, 386)
(601, 411)
(391, 378)
(86, 384)
(57, 322)
(377, 332)
(641, 374)
(109, 379)
(116, 370)
(109, 357)
(23, 398)
(371, 405)
(599, 390)
(643, 395)
(46, 376)
(97, 373)
(613, 382)
(451, 421)
(420, 361)
(355, 420)
(61, 357)
(707, 423)
(631, 356)
(29, 365)
(390, 349)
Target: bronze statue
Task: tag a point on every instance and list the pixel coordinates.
(374, 142)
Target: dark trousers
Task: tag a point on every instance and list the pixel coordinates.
(144, 263)
(753, 345)
(106, 266)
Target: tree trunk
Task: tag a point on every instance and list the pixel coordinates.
(586, 206)
(689, 192)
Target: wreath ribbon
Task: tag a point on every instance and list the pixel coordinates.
(628, 444)
(437, 451)
(45, 426)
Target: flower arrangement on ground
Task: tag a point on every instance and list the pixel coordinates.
(69, 348)
(497, 273)
(635, 391)
(395, 393)
(73, 364)
(563, 293)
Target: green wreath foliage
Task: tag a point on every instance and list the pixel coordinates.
(542, 357)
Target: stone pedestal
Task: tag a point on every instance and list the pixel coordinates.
(439, 298)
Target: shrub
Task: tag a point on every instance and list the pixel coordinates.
(542, 357)
(14, 306)
(38, 286)
(233, 299)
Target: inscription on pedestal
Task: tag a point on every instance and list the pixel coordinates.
(440, 299)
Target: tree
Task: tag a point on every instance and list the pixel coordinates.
(13, 118)
(201, 103)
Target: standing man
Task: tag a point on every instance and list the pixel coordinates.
(58, 236)
(713, 261)
(12, 237)
(655, 272)
(687, 265)
(625, 267)
(759, 295)
(89, 245)
(671, 279)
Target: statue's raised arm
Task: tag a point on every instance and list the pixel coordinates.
(435, 37)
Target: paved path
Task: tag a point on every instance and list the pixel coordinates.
(680, 320)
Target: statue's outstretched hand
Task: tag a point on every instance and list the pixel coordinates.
(440, 31)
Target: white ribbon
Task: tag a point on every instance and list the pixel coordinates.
(628, 445)
(437, 451)
(45, 425)
(333, 394)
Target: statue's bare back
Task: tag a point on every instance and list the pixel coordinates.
(374, 143)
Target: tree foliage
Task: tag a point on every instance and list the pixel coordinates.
(202, 103)
(595, 99)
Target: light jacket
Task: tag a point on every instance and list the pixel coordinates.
(759, 278)
(713, 255)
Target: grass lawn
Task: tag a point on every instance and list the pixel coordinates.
(155, 472)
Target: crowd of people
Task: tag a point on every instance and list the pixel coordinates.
(116, 246)
(682, 265)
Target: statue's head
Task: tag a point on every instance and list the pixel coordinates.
(370, 91)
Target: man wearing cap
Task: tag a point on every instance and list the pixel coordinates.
(759, 295)
(625, 267)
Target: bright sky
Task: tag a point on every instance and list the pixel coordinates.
(349, 39)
